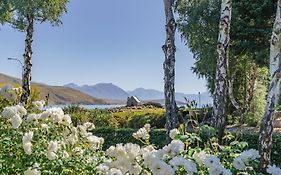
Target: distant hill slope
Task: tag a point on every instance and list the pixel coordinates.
(151, 94)
(112, 92)
(58, 94)
(102, 90)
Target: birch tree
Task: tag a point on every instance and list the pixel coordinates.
(273, 97)
(169, 50)
(220, 93)
(25, 15)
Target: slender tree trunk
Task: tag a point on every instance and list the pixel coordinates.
(266, 127)
(26, 79)
(220, 94)
(169, 50)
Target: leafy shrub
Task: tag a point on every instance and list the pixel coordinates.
(256, 112)
(124, 135)
(132, 118)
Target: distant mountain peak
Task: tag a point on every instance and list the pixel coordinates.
(113, 92)
(70, 84)
(104, 90)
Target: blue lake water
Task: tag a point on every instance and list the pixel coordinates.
(92, 106)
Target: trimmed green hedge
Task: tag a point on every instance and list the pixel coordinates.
(158, 138)
(124, 135)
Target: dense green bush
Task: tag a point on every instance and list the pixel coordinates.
(131, 118)
(124, 135)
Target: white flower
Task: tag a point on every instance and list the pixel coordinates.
(9, 112)
(159, 167)
(45, 115)
(83, 130)
(135, 170)
(53, 114)
(53, 146)
(65, 155)
(174, 148)
(147, 149)
(211, 161)
(51, 155)
(132, 150)
(44, 126)
(16, 121)
(147, 127)
(89, 126)
(273, 170)
(174, 133)
(200, 157)
(239, 164)
(176, 162)
(32, 117)
(27, 146)
(72, 139)
(102, 168)
(38, 105)
(95, 141)
(21, 110)
(190, 167)
(66, 119)
(114, 171)
(149, 158)
(27, 137)
(217, 169)
(78, 151)
(32, 171)
(143, 133)
(248, 155)
(226, 172)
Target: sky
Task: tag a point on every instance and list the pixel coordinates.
(104, 41)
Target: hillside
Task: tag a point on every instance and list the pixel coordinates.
(111, 92)
(102, 90)
(151, 95)
(58, 94)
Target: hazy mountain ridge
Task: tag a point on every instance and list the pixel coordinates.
(102, 90)
(58, 94)
(151, 94)
(113, 92)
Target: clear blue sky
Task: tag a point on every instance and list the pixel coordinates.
(102, 41)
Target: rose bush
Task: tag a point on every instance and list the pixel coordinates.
(34, 141)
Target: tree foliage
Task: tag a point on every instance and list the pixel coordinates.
(5, 13)
(41, 10)
(250, 33)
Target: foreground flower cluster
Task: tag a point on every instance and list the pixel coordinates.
(174, 159)
(47, 142)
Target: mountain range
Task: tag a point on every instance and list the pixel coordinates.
(112, 92)
(57, 94)
(102, 93)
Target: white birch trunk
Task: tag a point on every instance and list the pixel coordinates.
(26, 79)
(266, 127)
(169, 50)
(220, 94)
